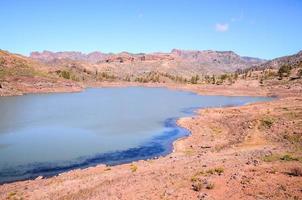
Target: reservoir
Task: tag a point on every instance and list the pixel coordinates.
(46, 134)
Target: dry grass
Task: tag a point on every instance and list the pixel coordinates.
(133, 167)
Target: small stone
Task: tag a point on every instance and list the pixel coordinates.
(205, 147)
(202, 196)
(39, 178)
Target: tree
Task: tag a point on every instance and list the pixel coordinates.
(194, 79)
(213, 79)
(284, 69)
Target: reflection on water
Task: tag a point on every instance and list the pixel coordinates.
(44, 134)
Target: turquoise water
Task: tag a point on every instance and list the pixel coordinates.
(45, 134)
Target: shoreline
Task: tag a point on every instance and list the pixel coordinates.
(177, 145)
(201, 89)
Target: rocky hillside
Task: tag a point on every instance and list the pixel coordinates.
(177, 62)
(292, 60)
(20, 74)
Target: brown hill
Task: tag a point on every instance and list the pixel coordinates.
(293, 60)
(20, 74)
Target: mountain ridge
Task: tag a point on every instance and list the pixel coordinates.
(205, 61)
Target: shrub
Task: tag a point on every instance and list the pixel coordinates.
(65, 74)
(210, 171)
(197, 186)
(133, 167)
(284, 157)
(284, 69)
(270, 158)
(267, 122)
(210, 186)
(288, 157)
(194, 79)
(223, 77)
(194, 178)
(219, 170)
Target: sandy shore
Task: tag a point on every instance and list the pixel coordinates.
(25, 86)
(247, 152)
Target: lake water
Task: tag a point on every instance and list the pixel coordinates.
(45, 134)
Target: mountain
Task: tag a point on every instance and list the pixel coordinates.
(48, 56)
(176, 62)
(293, 60)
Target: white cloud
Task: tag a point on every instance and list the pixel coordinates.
(238, 18)
(222, 27)
(140, 15)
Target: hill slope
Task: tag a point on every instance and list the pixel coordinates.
(20, 74)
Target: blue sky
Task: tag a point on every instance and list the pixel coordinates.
(264, 28)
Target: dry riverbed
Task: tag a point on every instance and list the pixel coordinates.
(247, 152)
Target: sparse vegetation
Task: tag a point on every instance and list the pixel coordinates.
(219, 170)
(65, 74)
(194, 79)
(210, 171)
(288, 157)
(210, 186)
(107, 169)
(267, 122)
(197, 185)
(294, 139)
(133, 167)
(284, 70)
(11, 195)
(283, 157)
(216, 130)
